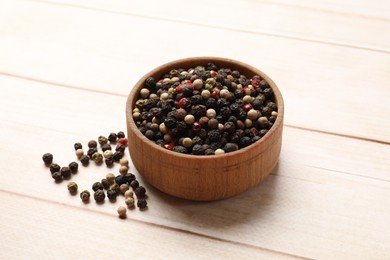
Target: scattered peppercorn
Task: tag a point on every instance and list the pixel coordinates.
(106, 184)
(92, 144)
(123, 188)
(112, 194)
(54, 168)
(109, 161)
(91, 151)
(99, 196)
(129, 202)
(97, 186)
(112, 137)
(72, 187)
(110, 177)
(73, 166)
(84, 159)
(141, 203)
(122, 212)
(120, 134)
(57, 176)
(102, 140)
(47, 158)
(115, 187)
(124, 162)
(129, 194)
(106, 147)
(79, 153)
(97, 157)
(65, 172)
(120, 179)
(77, 146)
(84, 195)
(140, 191)
(117, 156)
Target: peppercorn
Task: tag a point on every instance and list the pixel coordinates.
(120, 148)
(219, 151)
(141, 203)
(134, 184)
(109, 161)
(123, 170)
(129, 177)
(107, 154)
(230, 147)
(112, 194)
(97, 186)
(72, 187)
(91, 151)
(65, 172)
(102, 140)
(128, 194)
(77, 146)
(129, 202)
(97, 157)
(84, 195)
(117, 156)
(115, 187)
(99, 196)
(120, 134)
(54, 168)
(122, 212)
(57, 176)
(214, 135)
(105, 183)
(150, 135)
(79, 153)
(84, 159)
(123, 188)
(245, 141)
(73, 166)
(92, 144)
(112, 137)
(106, 147)
(120, 179)
(47, 158)
(110, 177)
(140, 191)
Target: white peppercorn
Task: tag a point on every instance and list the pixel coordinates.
(122, 212)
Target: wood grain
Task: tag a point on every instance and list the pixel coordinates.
(66, 68)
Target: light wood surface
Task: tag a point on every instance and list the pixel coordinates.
(66, 68)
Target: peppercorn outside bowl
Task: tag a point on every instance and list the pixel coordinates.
(207, 177)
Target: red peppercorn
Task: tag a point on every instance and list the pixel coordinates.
(179, 89)
(213, 73)
(247, 107)
(123, 141)
(169, 146)
(196, 126)
(215, 94)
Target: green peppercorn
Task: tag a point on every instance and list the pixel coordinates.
(84, 195)
(97, 186)
(72, 187)
(92, 144)
(84, 159)
(73, 166)
(99, 196)
(47, 158)
(65, 172)
(122, 212)
(102, 140)
(97, 157)
(54, 168)
(141, 203)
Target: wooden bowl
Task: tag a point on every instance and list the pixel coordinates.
(211, 177)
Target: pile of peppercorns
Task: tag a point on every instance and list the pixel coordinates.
(113, 184)
(205, 110)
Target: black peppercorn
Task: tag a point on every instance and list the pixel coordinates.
(230, 147)
(198, 149)
(120, 147)
(245, 141)
(54, 168)
(112, 137)
(106, 147)
(134, 184)
(141, 203)
(92, 144)
(170, 122)
(56, 176)
(129, 177)
(117, 156)
(120, 135)
(150, 82)
(140, 191)
(47, 158)
(73, 166)
(120, 179)
(225, 112)
(91, 151)
(112, 194)
(229, 127)
(77, 146)
(97, 186)
(214, 135)
(99, 196)
(84, 159)
(109, 161)
(198, 111)
(150, 135)
(65, 172)
(180, 149)
(105, 183)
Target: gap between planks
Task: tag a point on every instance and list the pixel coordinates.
(256, 32)
(188, 232)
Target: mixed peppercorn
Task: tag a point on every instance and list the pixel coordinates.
(112, 185)
(205, 110)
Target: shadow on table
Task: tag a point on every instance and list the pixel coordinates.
(253, 204)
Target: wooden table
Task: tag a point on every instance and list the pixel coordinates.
(66, 68)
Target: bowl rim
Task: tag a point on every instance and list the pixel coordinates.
(131, 99)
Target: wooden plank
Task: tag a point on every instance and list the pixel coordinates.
(59, 231)
(341, 80)
(313, 22)
(300, 209)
